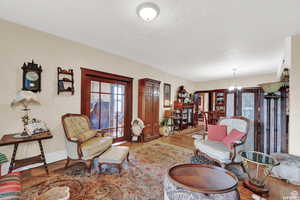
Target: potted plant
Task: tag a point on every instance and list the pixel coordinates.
(163, 130)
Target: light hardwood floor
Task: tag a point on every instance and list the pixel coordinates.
(278, 188)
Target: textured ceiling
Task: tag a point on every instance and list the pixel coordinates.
(195, 39)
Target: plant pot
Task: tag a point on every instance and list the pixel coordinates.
(164, 131)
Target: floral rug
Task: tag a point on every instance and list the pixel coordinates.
(140, 179)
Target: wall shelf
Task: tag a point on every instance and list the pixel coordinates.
(65, 81)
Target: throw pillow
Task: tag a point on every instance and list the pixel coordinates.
(217, 132)
(10, 187)
(234, 135)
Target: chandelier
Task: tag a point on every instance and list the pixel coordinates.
(234, 86)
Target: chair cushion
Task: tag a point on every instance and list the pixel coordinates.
(84, 136)
(10, 187)
(76, 125)
(115, 155)
(234, 135)
(95, 146)
(217, 132)
(238, 124)
(213, 149)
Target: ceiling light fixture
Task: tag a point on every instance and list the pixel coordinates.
(234, 86)
(148, 11)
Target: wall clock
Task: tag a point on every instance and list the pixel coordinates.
(32, 76)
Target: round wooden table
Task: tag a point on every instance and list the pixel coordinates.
(206, 179)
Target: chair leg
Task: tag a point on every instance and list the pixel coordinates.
(196, 152)
(127, 158)
(120, 168)
(67, 163)
(100, 168)
(88, 165)
(91, 167)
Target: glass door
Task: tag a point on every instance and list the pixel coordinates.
(107, 110)
(248, 111)
(248, 106)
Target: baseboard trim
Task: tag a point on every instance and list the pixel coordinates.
(50, 158)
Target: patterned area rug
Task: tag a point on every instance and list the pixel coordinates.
(141, 179)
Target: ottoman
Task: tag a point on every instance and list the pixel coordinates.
(114, 156)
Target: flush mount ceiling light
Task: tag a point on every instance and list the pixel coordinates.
(147, 11)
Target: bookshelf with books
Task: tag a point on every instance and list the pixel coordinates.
(220, 102)
(183, 110)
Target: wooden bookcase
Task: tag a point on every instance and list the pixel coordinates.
(184, 110)
(220, 102)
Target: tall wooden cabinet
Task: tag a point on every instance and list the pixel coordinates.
(148, 109)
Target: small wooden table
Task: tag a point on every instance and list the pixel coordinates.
(206, 179)
(9, 139)
(257, 166)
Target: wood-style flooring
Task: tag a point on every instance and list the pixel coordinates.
(279, 190)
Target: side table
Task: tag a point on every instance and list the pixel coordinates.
(258, 166)
(10, 139)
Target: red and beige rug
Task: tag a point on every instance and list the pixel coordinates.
(141, 179)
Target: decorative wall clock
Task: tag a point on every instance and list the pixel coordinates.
(32, 76)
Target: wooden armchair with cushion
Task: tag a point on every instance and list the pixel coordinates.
(224, 141)
(82, 142)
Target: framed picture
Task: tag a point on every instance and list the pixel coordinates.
(167, 95)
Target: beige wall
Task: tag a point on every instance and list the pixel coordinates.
(249, 81)
(294, 132)
(19, 44)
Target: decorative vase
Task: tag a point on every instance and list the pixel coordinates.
(164, 131)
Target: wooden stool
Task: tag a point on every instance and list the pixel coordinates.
(114, 156)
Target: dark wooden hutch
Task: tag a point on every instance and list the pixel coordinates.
(148, 107)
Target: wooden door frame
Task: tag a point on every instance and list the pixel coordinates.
(86, 73)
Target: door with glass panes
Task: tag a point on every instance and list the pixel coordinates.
(106, 106)
(246, 103)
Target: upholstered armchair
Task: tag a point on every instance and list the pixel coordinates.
(82, 142)
(218, 151)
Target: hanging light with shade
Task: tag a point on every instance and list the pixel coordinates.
(234, 86)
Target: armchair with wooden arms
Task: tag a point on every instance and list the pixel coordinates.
(218, 151)
(82, 142)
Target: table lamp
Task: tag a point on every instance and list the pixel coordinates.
(25, 99)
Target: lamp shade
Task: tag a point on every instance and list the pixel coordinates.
(24, 98)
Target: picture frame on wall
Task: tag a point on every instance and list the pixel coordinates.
(167, 95)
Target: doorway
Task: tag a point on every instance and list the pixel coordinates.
(107, 101)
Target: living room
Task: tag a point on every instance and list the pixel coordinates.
(114, 63)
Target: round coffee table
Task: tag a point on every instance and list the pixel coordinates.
(205, 179)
